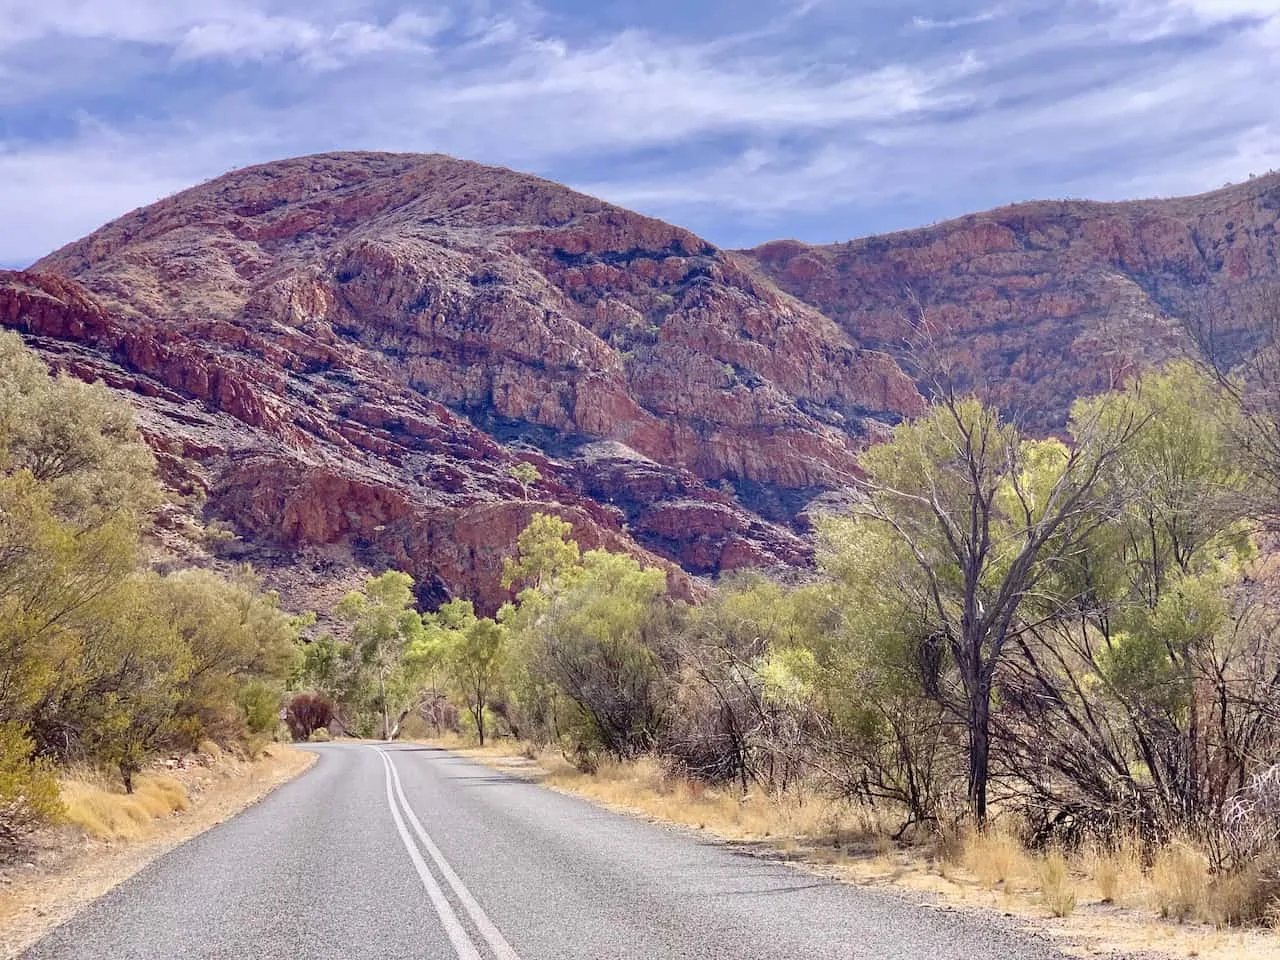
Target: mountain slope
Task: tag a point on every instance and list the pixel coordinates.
(349, 352)
(1039, 303)
(345, 354)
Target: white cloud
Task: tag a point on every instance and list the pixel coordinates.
(1150, 19)
(756, 126)
(238, 30)
(955, 23)
(256, 37)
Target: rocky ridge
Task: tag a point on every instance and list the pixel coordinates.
(350, 351)
(1038, 303)
(342, 356)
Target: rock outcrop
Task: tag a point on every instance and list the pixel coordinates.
(1039, 303)
(352, 350)
(343, 356)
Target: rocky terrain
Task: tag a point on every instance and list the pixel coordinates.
(1038, 303)
(351, 351)
(343, 356)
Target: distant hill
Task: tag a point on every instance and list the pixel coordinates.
(1039, 303)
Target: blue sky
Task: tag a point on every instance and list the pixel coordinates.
(745, 120)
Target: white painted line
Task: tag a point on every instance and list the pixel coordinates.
(462, 945)
(492, 935)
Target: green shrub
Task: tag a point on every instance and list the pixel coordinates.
(260, 703)
(320, 735)
(28, 788)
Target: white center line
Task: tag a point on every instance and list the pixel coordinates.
(462, 945)
(492, 935)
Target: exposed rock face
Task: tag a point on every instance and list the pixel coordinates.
(352, 350)
(1039, 303)
(295, 461)
(347, 353)
(540, 311)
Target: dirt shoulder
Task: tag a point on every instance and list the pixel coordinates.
(66, 869)
(1094, 928)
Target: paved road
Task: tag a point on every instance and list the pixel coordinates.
(410, 852)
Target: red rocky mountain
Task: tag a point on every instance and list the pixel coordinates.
(1038, 303)
(343, 355)
(348, 352)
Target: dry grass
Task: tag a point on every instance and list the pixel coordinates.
(107, 812)
(789, 822)
(1116, 870)
(1057, 890)
(1179, 881)
(997, 858)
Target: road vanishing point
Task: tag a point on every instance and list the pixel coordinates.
(394, 851)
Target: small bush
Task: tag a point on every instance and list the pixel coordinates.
(28, 789)
(1056, 891)
(319, 735)
(308, 712)
(260, 704)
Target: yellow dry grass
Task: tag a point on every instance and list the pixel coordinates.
(1179, 881)
(105, 811)
(997, 858)
(1116, 870)
(790, 821)
(1057, 887)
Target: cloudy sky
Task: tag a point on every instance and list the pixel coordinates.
(743, 119)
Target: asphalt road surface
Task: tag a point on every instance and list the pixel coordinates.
(404, 851)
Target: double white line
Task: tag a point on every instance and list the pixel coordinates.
(463, 945)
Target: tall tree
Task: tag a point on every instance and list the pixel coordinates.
(984, 516)
(1146, 671)
(384, 622)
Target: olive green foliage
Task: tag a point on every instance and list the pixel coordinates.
(470, 650)
(545, 550)
(743, 685)
(1157, 685)
(1127, 680)
(984, 516)
(525, 474)
(384, 624)
(101, 661)
(28, 787)
(587, 627)
(1066, 624)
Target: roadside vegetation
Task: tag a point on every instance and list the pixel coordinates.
(1053, 665)
(105, 664)
(1050, 665)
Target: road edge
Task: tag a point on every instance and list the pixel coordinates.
(31, 911)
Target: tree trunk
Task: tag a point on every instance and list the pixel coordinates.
(382, 695)
(479, 715)
(979, 750)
